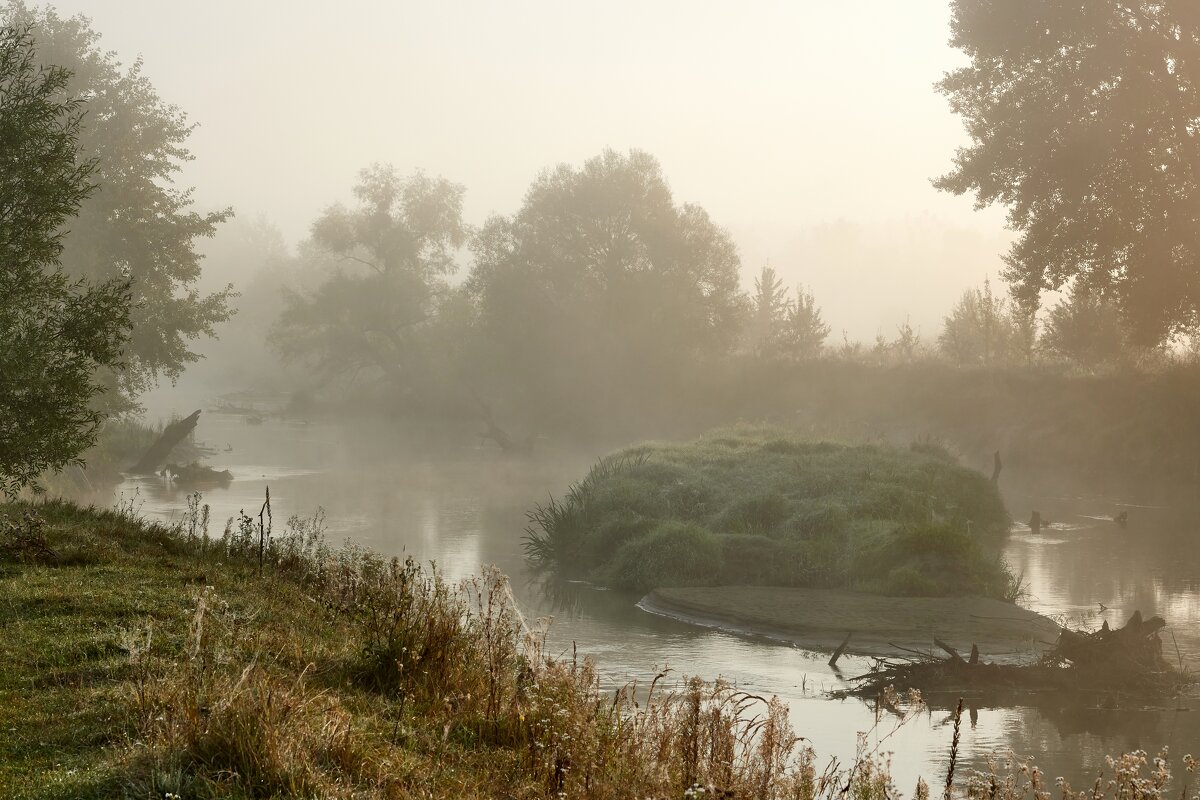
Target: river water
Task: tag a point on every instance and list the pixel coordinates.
(400, 492)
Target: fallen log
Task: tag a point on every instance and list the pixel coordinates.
(173, 434)
(841, 649)
(948, 649)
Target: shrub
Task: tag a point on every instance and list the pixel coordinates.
(673, 554)
(745, 485)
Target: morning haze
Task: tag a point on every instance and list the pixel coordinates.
(614, 401)
(790, 122)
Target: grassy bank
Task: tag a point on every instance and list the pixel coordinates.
(148, 662)
(143, 661)
(765, 507)
(121, 442)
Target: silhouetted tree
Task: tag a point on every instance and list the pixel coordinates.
(372, 316)
(980, 329)
(907, 342)
(1085, 122)
(769, 311)
(805, 332)
(54, 332)
(1085, 329)
(137, 223)
(600, 287)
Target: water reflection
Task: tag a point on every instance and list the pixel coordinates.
(398, 494)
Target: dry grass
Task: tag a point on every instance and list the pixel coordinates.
(342, 674)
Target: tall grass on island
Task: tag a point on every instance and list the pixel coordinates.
(763, 506)
(145, 661)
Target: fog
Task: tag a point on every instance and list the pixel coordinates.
(785, 120)
(789, 307)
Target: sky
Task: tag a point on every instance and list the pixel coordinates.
(809, 130)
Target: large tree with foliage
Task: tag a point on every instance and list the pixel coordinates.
(1085, 122)
(137, 222)
(602, 287)
(372, 317)
(1085, 329)
(55, 332)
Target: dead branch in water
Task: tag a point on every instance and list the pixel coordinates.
(1128, 660)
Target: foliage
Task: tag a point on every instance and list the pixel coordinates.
(54, 332)
(1085, 330)
(1083, 122)
(981, 329)
(806, 331)
(374, 318)
(761, 506)
(186, 674)
(601, 289)
(769, 309)
(137, 225)
(779, 326)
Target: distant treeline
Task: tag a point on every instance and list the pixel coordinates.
(601, 305)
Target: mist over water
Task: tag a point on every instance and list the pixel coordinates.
(406, 493)
(811, 273)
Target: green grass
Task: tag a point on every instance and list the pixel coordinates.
(762, 506)
(142, 661)
(149, 662)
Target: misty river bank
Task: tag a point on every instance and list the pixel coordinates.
(465, 507)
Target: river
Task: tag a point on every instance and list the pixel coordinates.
(403, 493)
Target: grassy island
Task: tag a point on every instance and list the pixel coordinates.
(760, 506)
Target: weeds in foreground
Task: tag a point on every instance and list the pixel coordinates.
(393, 682)
(24, 539)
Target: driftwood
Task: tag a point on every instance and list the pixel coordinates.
(1126, 660)
(172, 435)
(841, 649)
(508, 445)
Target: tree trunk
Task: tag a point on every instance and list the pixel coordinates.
(157, 454)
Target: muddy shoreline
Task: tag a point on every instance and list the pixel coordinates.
(819, 619)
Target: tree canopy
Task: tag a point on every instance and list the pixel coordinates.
(138, 222)
(602, 286)
(781, 327)
(54, 332)
(982, 329)
(391, 255)
(1085, 122)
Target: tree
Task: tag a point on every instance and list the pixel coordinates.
(137, 222)
(54, 332)
(1085, 329)
(372, 317)
(769, 311)
(981, 330)
(806, 331)
(1085, 122)
(602, 290)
